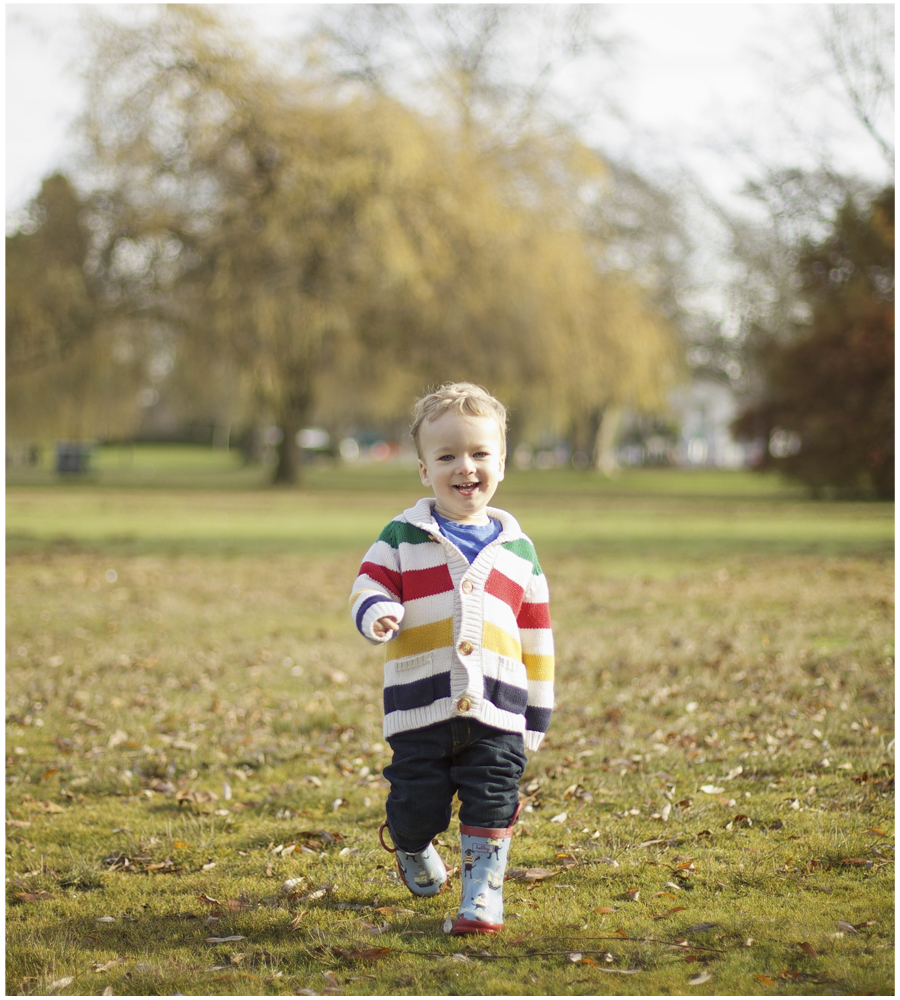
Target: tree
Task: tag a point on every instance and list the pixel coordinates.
(568, 333)
(827, 406)
(328, 240)
(70, 369)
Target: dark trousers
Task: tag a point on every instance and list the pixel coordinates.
(431, 765)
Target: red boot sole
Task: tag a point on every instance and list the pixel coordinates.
(463, 925)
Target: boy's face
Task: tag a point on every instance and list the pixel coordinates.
(462, 461)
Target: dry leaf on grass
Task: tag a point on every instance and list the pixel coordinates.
(530, 874)
(699, 979)
(113, 963)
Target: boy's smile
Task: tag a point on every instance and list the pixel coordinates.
(462, 461)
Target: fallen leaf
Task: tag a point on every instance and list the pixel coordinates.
(765, 980)
(702, 977)
(447, 925)
(633, 894)
(845, 926)
(559, 818)
(712, 789)
(60, 984)
(113, 963)
(105, 920)
(605, 909)
(876, 831)
(574, 956)
(224, 940)
(667, 913)
(530, 874)
(33, 897)
(808, 949)
(369, 954)
(700, 928)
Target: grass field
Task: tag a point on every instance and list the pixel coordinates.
(194, 750)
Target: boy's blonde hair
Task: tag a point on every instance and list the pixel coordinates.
(462, 398)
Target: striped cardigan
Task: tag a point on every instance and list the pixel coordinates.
(475, 640)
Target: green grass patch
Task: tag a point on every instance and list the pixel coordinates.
(194, 750)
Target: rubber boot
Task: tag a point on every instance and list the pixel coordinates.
(423, 872)
(484, 854)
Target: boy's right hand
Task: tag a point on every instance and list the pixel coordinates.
(384, 626)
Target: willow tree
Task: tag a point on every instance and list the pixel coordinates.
(335, 241)
(534, 305)
(72, 370)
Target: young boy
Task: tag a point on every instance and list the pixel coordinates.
(453, 588)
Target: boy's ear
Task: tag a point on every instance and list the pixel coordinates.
(423, 473)
(502, 472)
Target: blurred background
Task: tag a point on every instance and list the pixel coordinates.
(663, 234)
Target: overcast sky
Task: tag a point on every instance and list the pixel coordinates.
(693, 76)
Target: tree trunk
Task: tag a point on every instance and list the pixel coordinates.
(294, 412)
(605, 442)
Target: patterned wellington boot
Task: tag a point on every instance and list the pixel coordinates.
(484, 854)
(423, 872)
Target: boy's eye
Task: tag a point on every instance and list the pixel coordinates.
(445, 458)
(481, 454)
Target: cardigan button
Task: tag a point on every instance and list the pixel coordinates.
(468, 586)
(463, 705)
(466, 648)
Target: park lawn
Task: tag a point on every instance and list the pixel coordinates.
(194, 750)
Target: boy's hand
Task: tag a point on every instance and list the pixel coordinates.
(384, 626)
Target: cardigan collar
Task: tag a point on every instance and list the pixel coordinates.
(422, 516)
